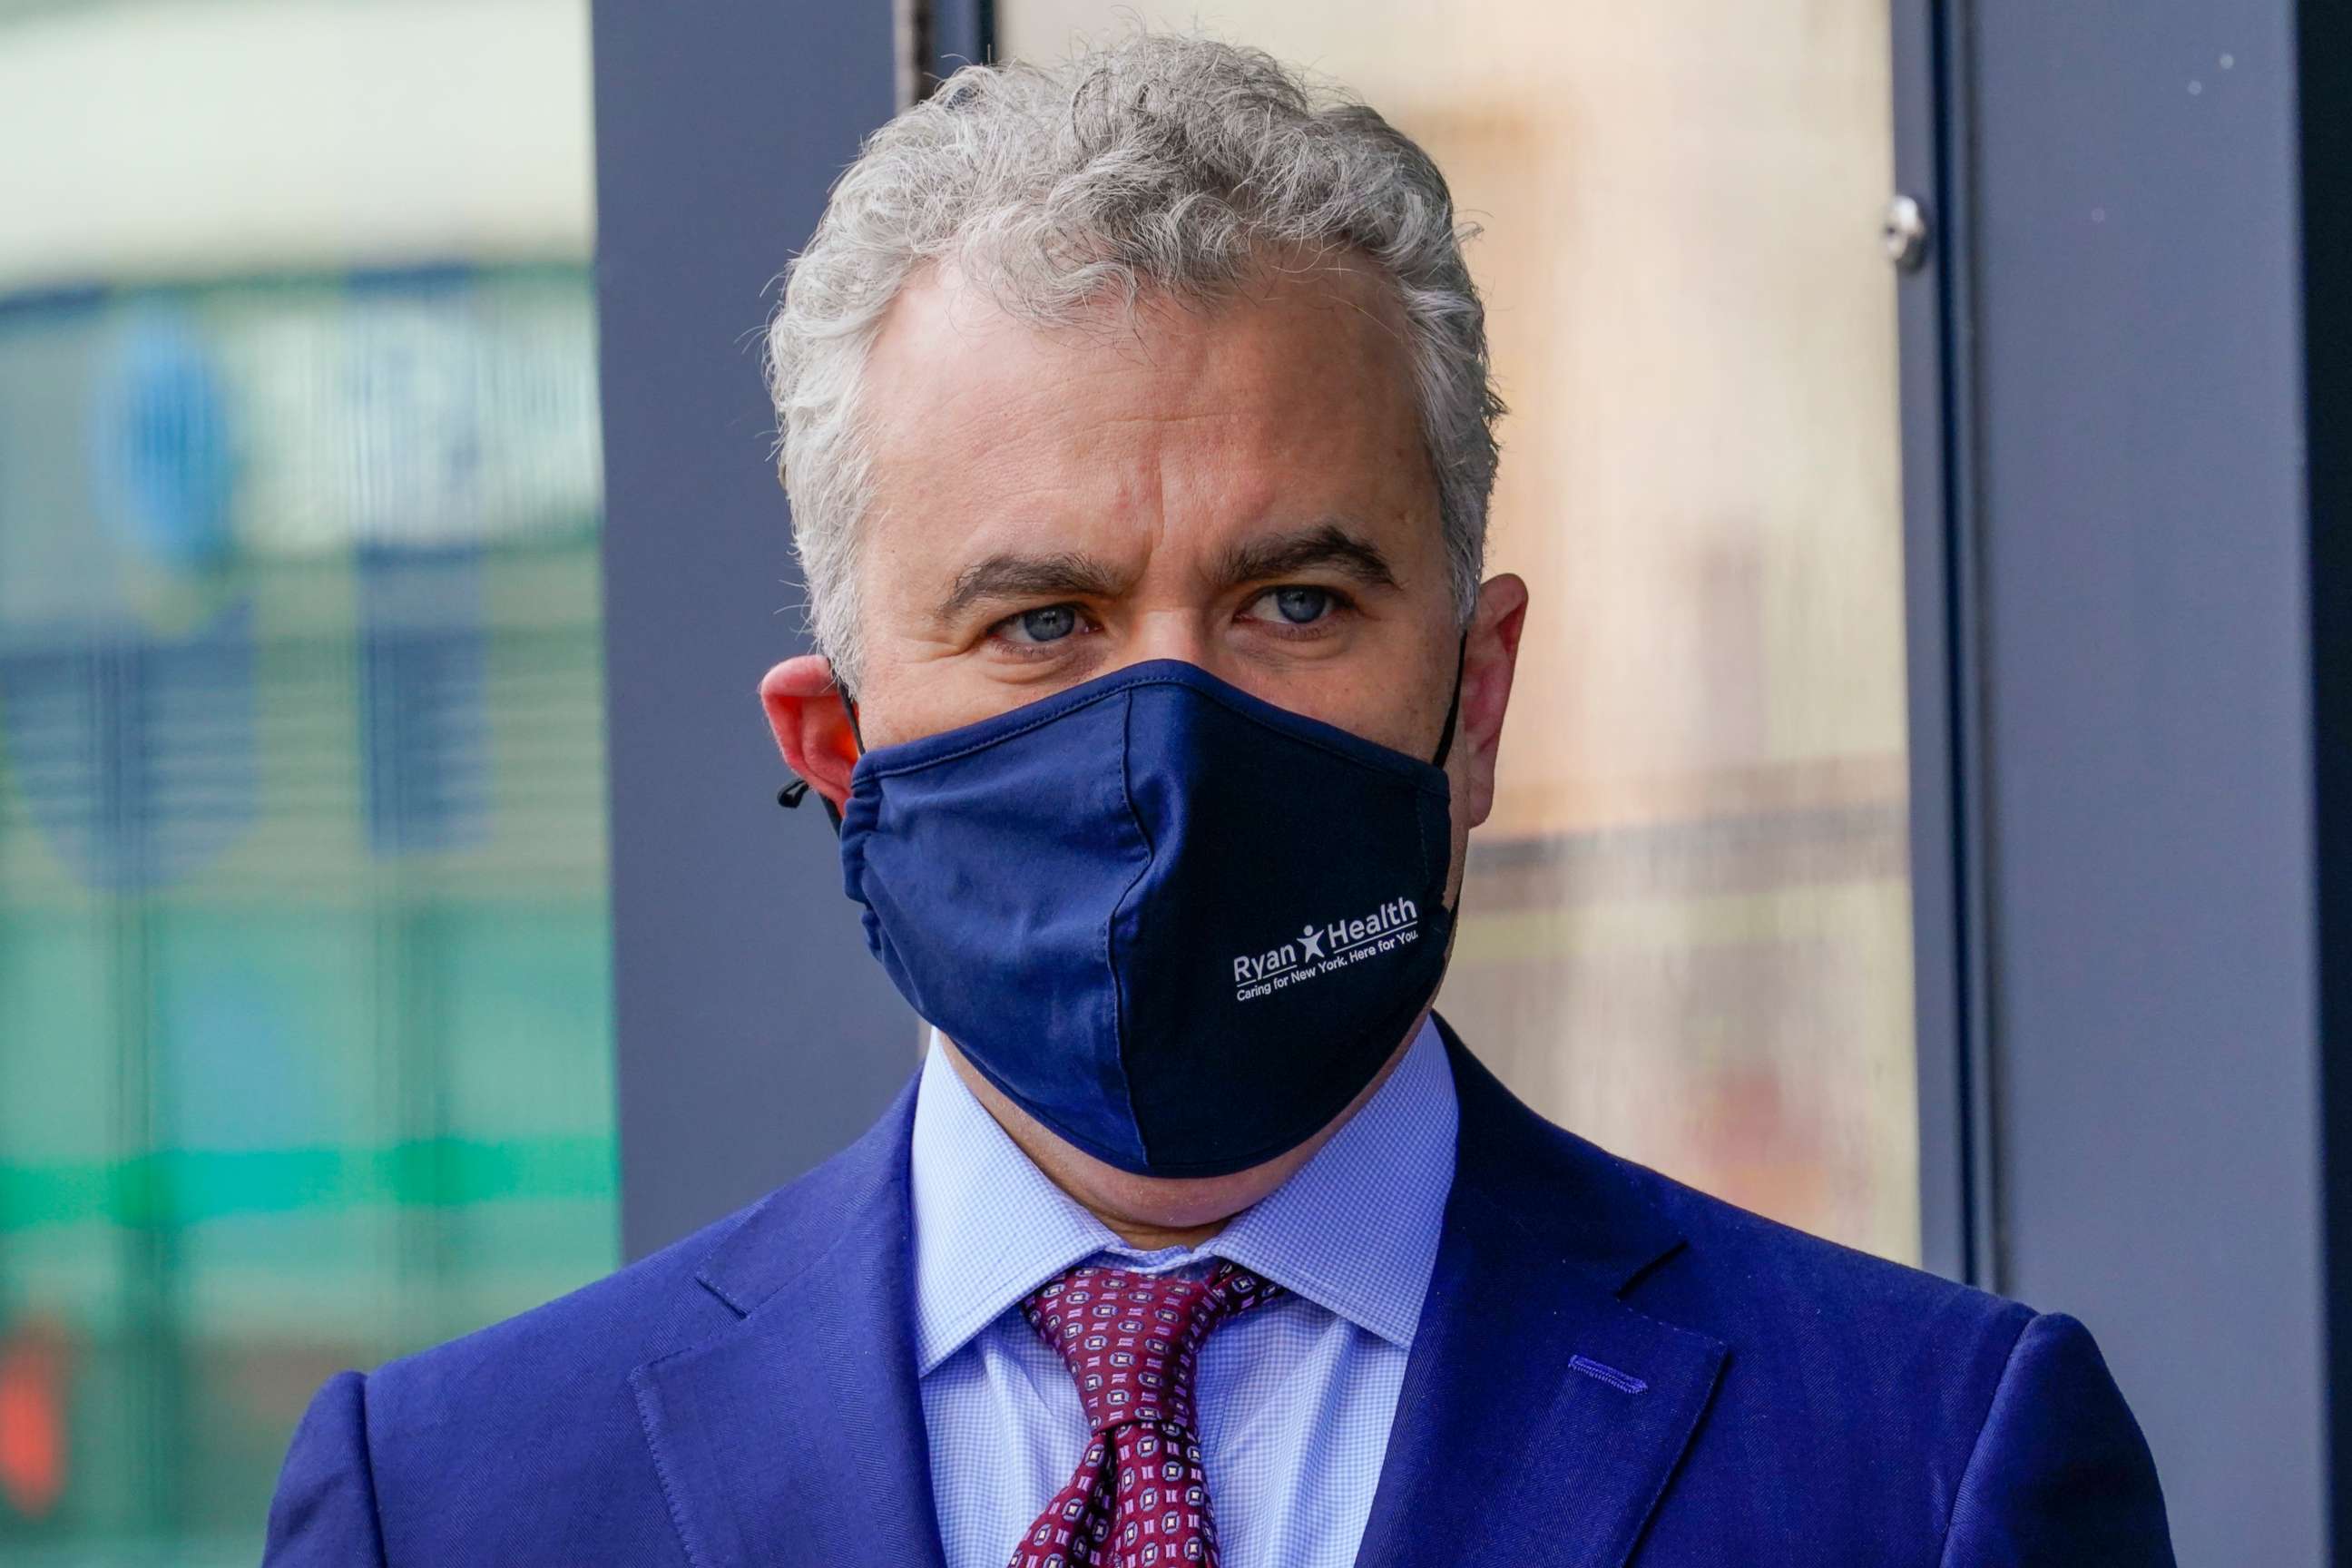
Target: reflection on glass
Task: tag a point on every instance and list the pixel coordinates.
(304, 976)
(1687, 930)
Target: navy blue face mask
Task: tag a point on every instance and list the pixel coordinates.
(1180, 926)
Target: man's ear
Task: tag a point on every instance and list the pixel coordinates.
(1490, 657)
(812, 728)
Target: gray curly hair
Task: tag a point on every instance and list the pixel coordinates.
(1161, 162)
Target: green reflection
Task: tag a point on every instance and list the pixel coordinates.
(183, 1187)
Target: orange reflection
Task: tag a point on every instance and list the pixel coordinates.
(33, 1367)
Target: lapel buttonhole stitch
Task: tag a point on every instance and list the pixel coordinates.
(1624, 1381)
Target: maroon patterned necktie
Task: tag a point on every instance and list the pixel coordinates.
(1139, 1498)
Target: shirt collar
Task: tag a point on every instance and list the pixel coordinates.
(1354, 1230)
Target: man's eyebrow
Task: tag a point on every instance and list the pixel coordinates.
(1011, 575)
(1283, 554)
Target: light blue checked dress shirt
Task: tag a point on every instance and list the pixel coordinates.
(1295, 1398)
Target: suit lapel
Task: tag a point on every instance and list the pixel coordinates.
(1541, 1417)
(796, 1435)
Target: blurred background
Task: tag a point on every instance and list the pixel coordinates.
(1907, 828)
(305, 965)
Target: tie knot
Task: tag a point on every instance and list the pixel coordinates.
(1130, 1339)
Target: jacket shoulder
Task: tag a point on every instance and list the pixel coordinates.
(512, 1442)
(1684, 1255)
(600, 1331)
(662, 1302)
(1917, 1409)
(1748, 1278)
(522, 1442)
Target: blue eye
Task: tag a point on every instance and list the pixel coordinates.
(1300, 606)
(1051, 624)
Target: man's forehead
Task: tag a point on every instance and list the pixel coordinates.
(948, 337)
(1209, 426)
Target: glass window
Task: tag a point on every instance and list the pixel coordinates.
(305, 1031)
(1687, 930)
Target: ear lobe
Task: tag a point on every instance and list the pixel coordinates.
(812, 728)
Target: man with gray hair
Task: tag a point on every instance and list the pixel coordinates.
(1138, 427)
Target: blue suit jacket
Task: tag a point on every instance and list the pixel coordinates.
(1612, 1368)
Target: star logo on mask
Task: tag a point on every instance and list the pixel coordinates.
(1312, 941)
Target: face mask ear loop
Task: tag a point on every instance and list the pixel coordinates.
(848, 712)
(1452, 709)
(793, 794)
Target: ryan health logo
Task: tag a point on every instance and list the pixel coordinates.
(1321, 949)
